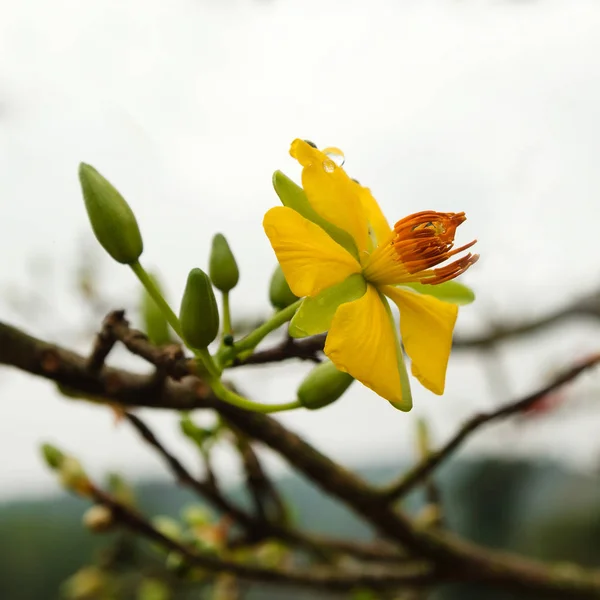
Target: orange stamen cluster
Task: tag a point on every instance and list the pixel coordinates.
(426, 239)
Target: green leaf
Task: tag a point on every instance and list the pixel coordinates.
(449, 291)
(293, 196)
(315, 314)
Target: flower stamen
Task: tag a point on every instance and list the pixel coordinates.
(426, 239)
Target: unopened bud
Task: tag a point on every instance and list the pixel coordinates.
(52, 455)
(323, 385)
(199, 315)
(280, 294)
(196, 515)
(167, 526)
(112, 219)
(72, 475)
(153, 589)
(155, 323)
(177, 564)
(121, 490)
(223, 269)
(98, 518)
(89, 582)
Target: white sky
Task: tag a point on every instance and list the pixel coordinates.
(188, 108)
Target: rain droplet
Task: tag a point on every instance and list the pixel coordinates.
(328, 165)
(336, 155)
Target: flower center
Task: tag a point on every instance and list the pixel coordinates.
(419, 243)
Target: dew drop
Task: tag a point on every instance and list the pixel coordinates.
(328, 165)
(336, 155)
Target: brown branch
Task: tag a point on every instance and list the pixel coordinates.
(377, 578)
(104, 342)
(304, 349)
(264, 494)
(454, 557)
(260, 530)
(421, 471)
(203, 488)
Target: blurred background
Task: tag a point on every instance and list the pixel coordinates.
(188, 107)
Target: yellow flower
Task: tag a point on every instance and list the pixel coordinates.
(337, 250)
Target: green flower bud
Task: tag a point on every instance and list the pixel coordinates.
(199, 315)
(98, 519)
(112, 219)
(168, 526)
(176, 564)
(323, 385)
(195, 515)
(89, 582)
(121, 490)
(155, 323)
(153, 589)
(72, 475)
(53, 456)
(223, 269)
(280, 294)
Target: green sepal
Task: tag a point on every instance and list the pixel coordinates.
(316, 313)
(293, 196)
(199, 315)
(223, 269)
(280, 294)
(323, 385)
(449, 291)
(112, 219)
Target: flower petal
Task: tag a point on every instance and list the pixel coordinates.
(293, 196)
(315, 314)
(362, 342)
(377, 222)
(310, 260)
(331, 192)
(426, 326)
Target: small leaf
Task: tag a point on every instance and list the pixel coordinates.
(449, 291)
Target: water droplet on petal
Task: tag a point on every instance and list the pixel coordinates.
(328, 165)
(312, 144)
(336, 155)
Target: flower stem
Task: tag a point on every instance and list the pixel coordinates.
(204, 357)
(253, 339)
(226, 315)
(155, 294)
(232, 398)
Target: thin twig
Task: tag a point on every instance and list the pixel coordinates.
(415, 574)
(426, 467)
(203, 488)
(104, 341)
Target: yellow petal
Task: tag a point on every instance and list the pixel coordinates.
(426, 326)
(331, 192)
(310, 260)
(377, 222)
(362, 342)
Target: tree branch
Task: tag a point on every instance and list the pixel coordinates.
(377, 578)
(427, 466)
(454, 558)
